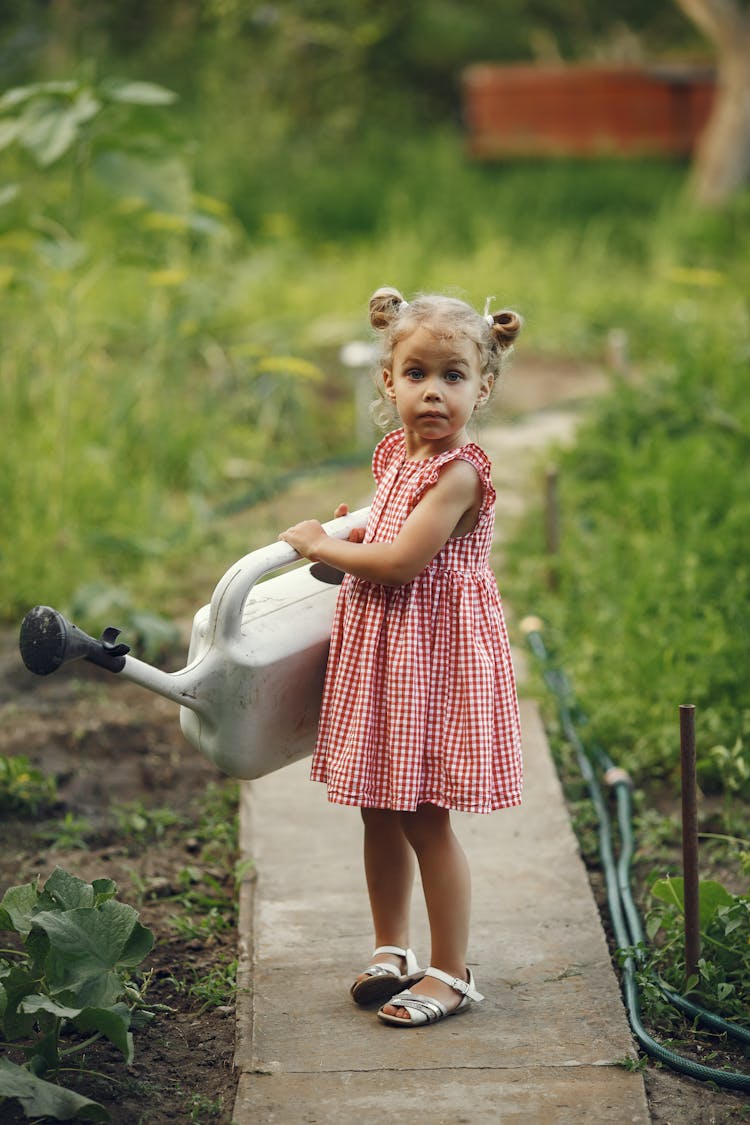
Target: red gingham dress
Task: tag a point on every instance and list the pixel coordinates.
(420, 702)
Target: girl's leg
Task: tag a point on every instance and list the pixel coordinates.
(389, 870)
(446, 881)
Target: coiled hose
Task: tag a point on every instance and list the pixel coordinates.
(626, 921)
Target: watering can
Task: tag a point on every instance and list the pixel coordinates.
(250, 693)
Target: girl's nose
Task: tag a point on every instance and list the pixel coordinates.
(431, 390)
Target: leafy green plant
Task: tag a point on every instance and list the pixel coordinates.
(726, 769)
(655, 491)
(723, 979)
(204, 926)
(151, 635)
(207, 903)
(214, 989)
(67, 984)
(70, 832)
(83, 118)
(201, 1108)
(217, 827)
(24, 790)
(143, 824)
(634, 1065)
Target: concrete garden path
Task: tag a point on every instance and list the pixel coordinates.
(543, 1048)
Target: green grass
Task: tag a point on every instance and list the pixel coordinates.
(650, 612)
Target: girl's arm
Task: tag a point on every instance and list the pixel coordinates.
(425, 532)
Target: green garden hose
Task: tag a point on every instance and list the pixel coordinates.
(626, 922)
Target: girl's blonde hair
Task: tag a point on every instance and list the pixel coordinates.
(394, 317)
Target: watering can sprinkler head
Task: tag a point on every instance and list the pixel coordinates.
(48, 640)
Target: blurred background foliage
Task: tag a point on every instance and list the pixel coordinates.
(197, 198)
(277, 93)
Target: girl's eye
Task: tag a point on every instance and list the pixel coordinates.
(414, 373)
(453, 376)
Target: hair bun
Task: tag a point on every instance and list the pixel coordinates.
(385, 304)
(505, 327)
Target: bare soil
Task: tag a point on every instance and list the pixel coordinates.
(110, 744)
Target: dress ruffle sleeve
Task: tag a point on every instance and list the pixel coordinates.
(384, 451)
(476, 457)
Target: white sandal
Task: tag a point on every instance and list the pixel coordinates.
(425, 1009)
(382, 979)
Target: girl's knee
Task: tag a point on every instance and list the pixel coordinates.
(425, 825)
(380, 820)
(374, 816)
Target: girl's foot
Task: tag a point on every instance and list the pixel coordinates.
(393, 969)
(435, 988)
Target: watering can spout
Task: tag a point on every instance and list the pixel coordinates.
(48, 640)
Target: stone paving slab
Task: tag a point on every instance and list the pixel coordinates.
(522, 1097)
(543, 1046)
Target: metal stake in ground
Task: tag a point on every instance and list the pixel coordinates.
(689, 840)
(552, 526)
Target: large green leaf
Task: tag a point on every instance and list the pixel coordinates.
(16, 906)
(103, 889)
(711, 895)
(85, 947)
(114, 1022)
(139, 945)
(17, 95)
(18, 983)
(48, 129)
(64, 891)
(139, 93)
(43, 1099)
(9, 131)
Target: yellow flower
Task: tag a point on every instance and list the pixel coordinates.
(692, 275)
(210, 205)
(289, 365)
(164, 220)
(165, 279)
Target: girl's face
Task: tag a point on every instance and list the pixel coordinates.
(435, 383)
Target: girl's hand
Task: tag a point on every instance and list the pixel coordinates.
(304, 537)
(357, 534)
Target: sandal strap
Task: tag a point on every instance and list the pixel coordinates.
(382, 969)
(408, 954)
(427, 1006)
(465, 987)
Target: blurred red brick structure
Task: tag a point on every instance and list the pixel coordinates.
(585, 110)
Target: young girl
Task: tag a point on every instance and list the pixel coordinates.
(419, 712)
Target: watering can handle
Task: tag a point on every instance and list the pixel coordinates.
(229, 597)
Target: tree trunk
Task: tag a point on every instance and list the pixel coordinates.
(721, 165)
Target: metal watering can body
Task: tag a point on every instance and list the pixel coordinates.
(250, 693)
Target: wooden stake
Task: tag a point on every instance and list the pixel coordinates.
(552, 526)
(690, 840)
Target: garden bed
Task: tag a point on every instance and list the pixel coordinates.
(139, 806)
